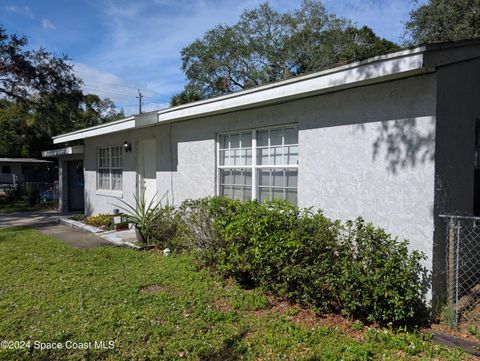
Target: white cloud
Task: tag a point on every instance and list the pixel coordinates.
(142, 40)
(22, 10)
(124, 93)
(47, 24)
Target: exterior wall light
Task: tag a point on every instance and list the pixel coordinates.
(127, 146)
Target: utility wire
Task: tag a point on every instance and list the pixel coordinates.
(107, 83)
(108, 91)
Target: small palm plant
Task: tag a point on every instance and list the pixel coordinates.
(142, 214)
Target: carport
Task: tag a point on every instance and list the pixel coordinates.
(70, 178)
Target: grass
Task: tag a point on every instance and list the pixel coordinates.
(156, 307)
(21, 206)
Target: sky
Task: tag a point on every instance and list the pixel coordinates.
(119, 46)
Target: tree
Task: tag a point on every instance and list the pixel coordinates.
(40, 96)
(24, 73)
(265, 46)
(443, 20)
(188, 95)
(15, 129)
(95, 110)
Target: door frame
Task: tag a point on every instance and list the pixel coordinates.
(140, 165)
(68, 164)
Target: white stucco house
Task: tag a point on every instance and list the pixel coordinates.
(393, 139)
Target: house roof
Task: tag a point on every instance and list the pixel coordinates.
(408, 62)
(24, 160)
(56, 153)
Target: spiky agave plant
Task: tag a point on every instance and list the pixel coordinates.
(142, 213)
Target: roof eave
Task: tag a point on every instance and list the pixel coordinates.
(378, 69)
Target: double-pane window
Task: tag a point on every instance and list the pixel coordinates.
(109, 168)
(259, 164)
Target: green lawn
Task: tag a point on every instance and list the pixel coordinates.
(156, 307)
(20, 206)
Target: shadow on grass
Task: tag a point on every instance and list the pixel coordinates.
(231, 349)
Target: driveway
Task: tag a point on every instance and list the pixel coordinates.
(46, 223)
(28, 219)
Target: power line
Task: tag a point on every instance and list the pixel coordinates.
(113, 84)
(108, 91)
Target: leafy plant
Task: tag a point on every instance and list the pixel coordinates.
(448, 316)
(353, 268)
(103, 221)
(201, 223)
(474, 331)
(163, 228)
(380, 280)
(143, 214)
(78, 217)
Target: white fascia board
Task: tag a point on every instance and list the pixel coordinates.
(296, 88)
(372, 70)
(116, 126)
(55, 153)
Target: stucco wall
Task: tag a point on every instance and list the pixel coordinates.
(363, 152)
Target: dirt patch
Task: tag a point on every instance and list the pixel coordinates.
(222, 304)
(310, 319)
(461, 331)
(153, 289)
(229, 283)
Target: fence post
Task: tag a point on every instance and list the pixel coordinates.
(451, 264)
(457, 260)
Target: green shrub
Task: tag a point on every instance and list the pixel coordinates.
(352, 268)
(78, 217)
(103, 221)
(163, 228)
(201, 223)
(260, 240)
(381, 280)
(311, 279)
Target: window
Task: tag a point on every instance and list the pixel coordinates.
(259, 164)
(6, 169)
(110, 168)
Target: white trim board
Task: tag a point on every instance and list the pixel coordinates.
(374, 70)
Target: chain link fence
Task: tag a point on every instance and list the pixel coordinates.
(30, 194)
(463, 269)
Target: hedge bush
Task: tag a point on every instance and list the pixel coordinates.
(352, 268)
(162, 230)
(103, 221)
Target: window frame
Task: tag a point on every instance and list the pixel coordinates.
(254, 167)
(110, 168)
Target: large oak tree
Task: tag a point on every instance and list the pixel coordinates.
(40, 96)
(265, 46)
(443, 20)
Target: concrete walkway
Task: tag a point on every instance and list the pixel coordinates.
(46, 223)
(73, 237)
(28, 219)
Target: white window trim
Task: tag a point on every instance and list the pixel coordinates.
(109, 191)
(104, 192)
(254, 167)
